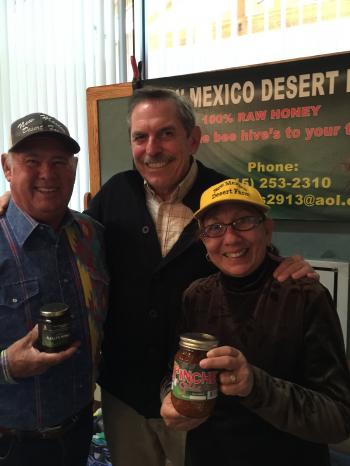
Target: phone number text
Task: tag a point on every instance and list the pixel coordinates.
(324, 182)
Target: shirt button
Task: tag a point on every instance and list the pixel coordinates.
(153, 314)
(65, 280)
(14, 300)
(145, 229)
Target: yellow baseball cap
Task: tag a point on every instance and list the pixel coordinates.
(230, 190)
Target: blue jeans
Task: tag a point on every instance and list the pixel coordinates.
(69, 449)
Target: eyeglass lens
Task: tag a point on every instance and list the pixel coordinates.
(241, 224)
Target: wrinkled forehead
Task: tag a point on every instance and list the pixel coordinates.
(231, 208)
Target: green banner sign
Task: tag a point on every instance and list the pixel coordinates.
(282, 127)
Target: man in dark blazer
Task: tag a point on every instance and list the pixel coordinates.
(153, 256)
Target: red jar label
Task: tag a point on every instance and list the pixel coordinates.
(192, 383)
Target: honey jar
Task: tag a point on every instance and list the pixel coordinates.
(54, 327)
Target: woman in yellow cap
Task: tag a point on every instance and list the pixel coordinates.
(284, 385)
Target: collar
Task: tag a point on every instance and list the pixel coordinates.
(23, 225)
(250, 282)
(181, 189)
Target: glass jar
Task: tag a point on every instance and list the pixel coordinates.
(54, 327)
(194, 390)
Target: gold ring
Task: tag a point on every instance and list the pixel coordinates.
(233, 378)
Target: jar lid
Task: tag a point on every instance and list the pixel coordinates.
(198, 341)
(53, 309)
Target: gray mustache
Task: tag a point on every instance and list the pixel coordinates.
(158, 159)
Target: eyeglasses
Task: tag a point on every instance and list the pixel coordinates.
(216, 230)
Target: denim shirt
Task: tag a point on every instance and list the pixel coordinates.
(38, 266)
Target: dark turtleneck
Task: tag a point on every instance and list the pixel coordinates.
(251, 281)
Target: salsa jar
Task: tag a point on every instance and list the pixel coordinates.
(54, 327)
(194, 390)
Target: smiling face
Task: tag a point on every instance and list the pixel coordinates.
(160, 145)
(41, 178)
(237, 253)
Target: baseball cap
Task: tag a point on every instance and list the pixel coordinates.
(230, 190)
(40, 123)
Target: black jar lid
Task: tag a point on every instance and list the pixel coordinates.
(54, 309)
